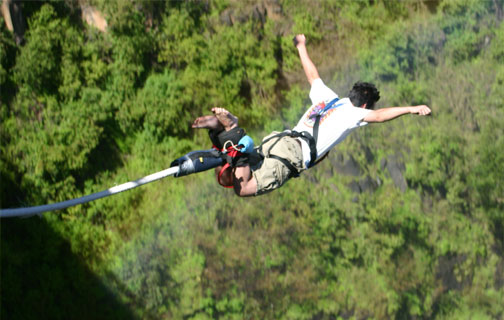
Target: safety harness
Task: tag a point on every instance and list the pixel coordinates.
(226, 142)
(230, 153)
(294, 134)
(225, 152)
(316, 114)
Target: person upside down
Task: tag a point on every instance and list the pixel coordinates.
(283, 155)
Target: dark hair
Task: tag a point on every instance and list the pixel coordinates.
(364, 92)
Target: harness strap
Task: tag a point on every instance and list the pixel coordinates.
(294, 134)
(315, 135)
(219, 180)
(305, 135)
(312, 143)
(293, 171)
(316, 125)
(228, 157)
(318, 116)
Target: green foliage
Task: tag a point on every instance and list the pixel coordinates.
(83, 110)
(37, 66)
(163, 105)
(465, 24)
(405, 54)
(243, 64)
(7, 54)
(488, 173)
(437, 156)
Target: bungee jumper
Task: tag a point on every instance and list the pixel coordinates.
(283, 155)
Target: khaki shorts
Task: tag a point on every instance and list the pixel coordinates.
(273, 173)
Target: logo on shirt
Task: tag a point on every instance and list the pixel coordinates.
(316, 110)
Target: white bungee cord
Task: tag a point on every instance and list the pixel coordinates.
(29, 211)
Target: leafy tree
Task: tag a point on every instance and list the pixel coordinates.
(89, 110)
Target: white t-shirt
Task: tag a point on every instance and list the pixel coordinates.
(335, 124)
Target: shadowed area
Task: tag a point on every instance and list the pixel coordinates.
(42, 279)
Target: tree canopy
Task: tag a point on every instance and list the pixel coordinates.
(404, 220)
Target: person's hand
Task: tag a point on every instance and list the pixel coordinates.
(422, 110)
(299, 39)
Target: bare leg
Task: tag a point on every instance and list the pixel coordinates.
(226, 118)
(207, 122)
(244, 182)
(241, 177)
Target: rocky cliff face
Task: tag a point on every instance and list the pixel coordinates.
(12, 12)
(14, 19)
(93, 17)
(252, 10)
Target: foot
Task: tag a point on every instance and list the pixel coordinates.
(207, 122)
(226, 118)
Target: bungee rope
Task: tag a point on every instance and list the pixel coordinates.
(29, 211)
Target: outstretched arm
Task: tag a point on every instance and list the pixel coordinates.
(308, 66)
(386, 114)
